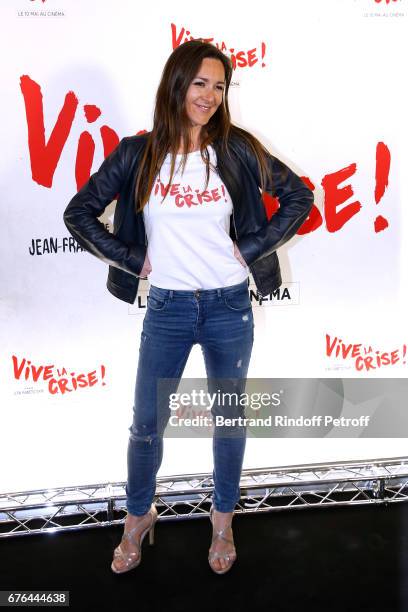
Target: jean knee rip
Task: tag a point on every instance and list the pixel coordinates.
(142, 434)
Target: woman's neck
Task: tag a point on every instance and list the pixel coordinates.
(192, 150)
(195, 136)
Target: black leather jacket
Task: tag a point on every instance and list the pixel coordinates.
(125, 249)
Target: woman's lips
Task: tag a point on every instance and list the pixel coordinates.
(202, 108)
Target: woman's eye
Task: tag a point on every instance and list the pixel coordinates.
(200, 83)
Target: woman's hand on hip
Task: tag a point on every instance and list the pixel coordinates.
(239, 256)
(147, 268)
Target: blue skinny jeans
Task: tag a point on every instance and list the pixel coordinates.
(221, 321)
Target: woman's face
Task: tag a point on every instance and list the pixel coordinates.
(205, 92)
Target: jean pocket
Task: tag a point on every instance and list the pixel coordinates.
(156, 303)
(238, 301)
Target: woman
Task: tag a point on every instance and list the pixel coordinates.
(189, 217)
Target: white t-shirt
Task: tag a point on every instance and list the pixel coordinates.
(189, 246)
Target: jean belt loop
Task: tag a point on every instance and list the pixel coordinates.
(219, 293)
(171, 294)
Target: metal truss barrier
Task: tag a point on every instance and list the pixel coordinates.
(189, 496)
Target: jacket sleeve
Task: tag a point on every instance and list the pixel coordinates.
(295, 202)
(81, 216)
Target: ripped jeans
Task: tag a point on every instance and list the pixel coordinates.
(221, 321)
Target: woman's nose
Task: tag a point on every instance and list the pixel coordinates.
(208, 97)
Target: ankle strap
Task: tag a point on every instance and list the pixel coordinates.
(128, 535)
(220, 534)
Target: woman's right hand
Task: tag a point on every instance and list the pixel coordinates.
(147, 268)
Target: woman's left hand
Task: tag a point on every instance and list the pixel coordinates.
(239, 256)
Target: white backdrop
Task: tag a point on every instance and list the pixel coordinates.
(325, 93)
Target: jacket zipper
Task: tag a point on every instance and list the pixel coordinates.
(233, 217)
(233, 220)
(232, 202)
(144, 229)
(236, 236)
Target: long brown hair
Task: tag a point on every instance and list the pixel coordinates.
(171, 124)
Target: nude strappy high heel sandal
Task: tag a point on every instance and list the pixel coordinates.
(133, 559)
(229, 556)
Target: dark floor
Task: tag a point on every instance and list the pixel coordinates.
(327, 559)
